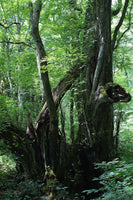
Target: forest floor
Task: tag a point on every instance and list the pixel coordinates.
(13, 189)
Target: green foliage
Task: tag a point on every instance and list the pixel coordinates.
(57, 190)
(11, 188)
(3, 109)
(29, 189)
(126, 136)
(7, 162)
(4, 117)
(62, 32)
(116, 181)
(63, 35)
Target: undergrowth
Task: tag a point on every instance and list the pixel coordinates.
(117, 182)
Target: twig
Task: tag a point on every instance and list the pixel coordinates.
(18, 42)
(6, 27)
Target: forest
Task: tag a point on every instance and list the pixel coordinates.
(66, 119)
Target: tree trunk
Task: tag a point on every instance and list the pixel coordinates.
(71, 117)
(42, 64)
(97, 116)
(99, 113)
(94, 142)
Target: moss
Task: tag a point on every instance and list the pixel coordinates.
(103, 90)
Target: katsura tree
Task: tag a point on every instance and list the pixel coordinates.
(91, 75)
(100, 92)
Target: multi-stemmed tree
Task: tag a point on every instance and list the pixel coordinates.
(91, 74)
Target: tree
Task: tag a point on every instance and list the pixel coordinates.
(91, 74)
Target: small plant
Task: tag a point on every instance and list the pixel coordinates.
(116, 180)
(57, 190)
(29, 189)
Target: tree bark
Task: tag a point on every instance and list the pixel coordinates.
(44, 146)
(99, 114)
(42, 64)
(98, 107)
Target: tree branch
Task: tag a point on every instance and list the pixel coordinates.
(41, 55)
(128, 28)
(17, 42)
(59, 91)
(117, 10)
(119, 24)
(66, 83)
(118, 41)
(6, 27)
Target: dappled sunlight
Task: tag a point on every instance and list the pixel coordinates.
(6, 163)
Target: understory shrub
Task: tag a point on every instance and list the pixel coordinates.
(117, 181)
